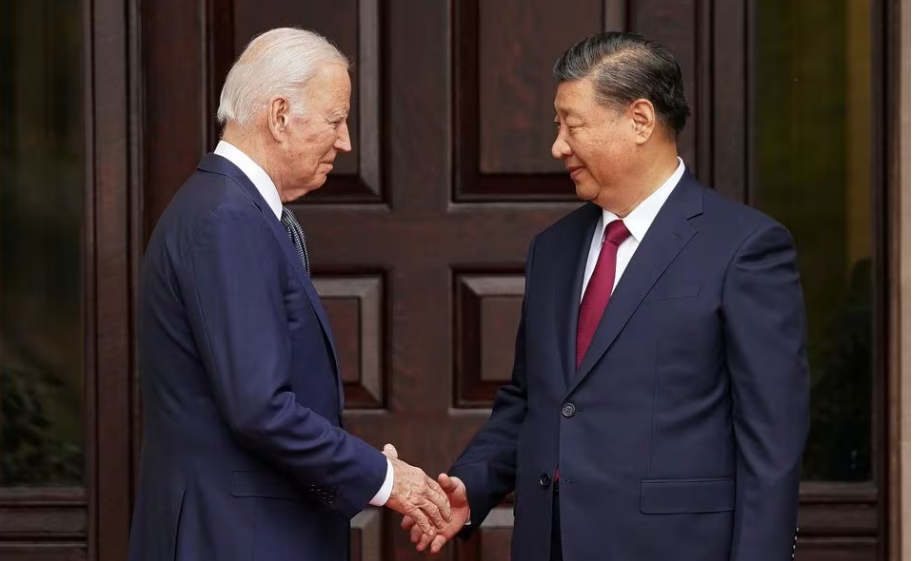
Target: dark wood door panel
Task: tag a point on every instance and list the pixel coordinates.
(503, 94)
(354, 26)
(492, 542)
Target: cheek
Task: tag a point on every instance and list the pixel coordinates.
(603, 164)
(310, 147)
(606, 166)
(321, 145)
(307, 158)
(587, 150)
(326, 145)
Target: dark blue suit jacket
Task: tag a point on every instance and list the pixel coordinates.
(243, 455)
(680, 436)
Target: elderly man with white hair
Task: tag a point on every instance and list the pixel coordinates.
(244, 456)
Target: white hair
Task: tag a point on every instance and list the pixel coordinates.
(276, 63)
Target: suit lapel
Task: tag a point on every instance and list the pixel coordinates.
(570, 277)
(216, 164)
(665, 239)
(292, 255)
(280, 232)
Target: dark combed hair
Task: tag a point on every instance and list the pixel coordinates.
(625, 67)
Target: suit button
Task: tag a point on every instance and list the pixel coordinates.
(568, 410)
(544, 480)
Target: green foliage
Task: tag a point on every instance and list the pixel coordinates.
(32, 449)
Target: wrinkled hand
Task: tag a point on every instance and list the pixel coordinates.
(460, 513)
(417, 496)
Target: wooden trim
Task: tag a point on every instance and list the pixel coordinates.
(89, 274)
(881, 76)
(750, 98)
(897, 111)
(703, 106)
(615, 15)
(136, 234)
(46, 515)
(172, 123)
(112, 181)
(62, 551)
(845, 510)
(218, 33)
(370, 96)
(729, 144)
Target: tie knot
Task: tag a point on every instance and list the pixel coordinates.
(287, 216)
(616, 232)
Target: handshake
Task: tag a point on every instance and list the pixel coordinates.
(433, 511)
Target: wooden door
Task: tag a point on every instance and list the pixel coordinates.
(418, 239)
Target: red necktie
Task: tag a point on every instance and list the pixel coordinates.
(596, 297)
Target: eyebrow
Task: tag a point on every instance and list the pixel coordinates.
(564, 111)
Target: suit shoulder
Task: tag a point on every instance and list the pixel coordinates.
(230, 219)
(735, 219)
(216, 190)
(571, 222)
(206, 195)
(205, 203)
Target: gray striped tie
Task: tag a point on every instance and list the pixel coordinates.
(297, 236)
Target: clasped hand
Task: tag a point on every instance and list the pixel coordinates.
(433, 512)
(417, 496)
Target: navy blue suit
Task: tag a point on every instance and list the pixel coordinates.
(681, 434)
(243, 455)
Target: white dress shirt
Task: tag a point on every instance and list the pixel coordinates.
(638, 221)
(254, 172)
(270, 194)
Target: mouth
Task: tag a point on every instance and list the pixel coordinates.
(575, 171)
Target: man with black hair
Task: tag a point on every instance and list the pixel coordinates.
(658, 406)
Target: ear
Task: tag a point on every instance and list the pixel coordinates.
(278, 117)
(644, 119)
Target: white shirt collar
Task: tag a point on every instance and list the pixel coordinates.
(639, 220)
(254, 172)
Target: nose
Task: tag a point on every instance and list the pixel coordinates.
(342, 139)
(560, 148)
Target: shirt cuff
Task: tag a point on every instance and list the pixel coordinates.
(384, 492)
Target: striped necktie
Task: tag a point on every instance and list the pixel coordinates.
(297, 236)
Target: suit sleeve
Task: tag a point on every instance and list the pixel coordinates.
(488, 464)
(233, 290)
(765, 329)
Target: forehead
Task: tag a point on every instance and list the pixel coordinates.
(575, 96)
(330, 86)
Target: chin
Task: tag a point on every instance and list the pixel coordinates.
(315, 183)
(586, 192)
